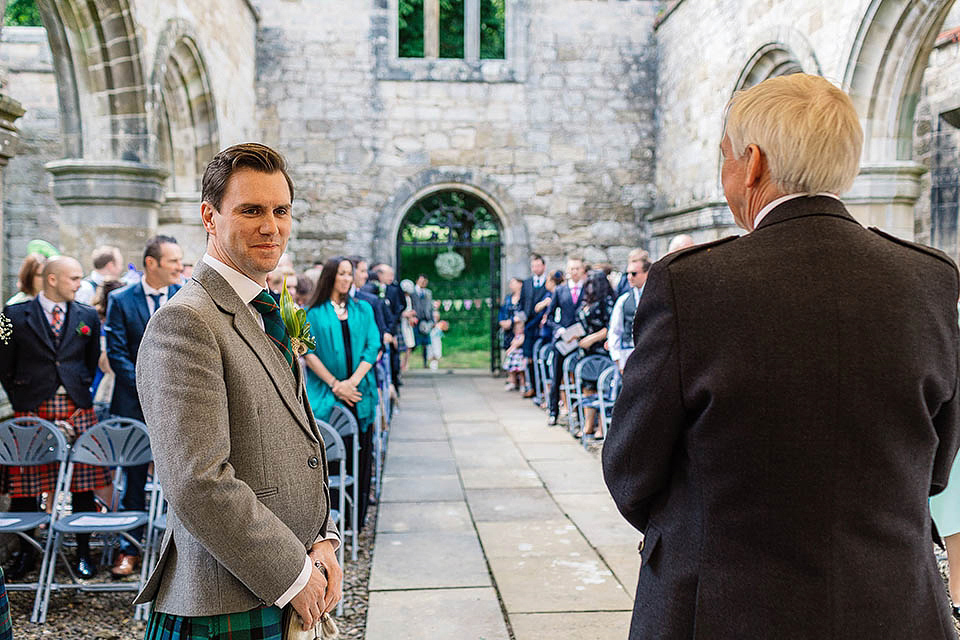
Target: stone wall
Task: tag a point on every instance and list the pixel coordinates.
(937, 142)
(560, 140)
(30, 210)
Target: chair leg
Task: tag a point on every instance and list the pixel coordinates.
(48, 582)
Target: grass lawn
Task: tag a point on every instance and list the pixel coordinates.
(474, 359)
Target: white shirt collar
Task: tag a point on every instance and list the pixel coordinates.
(150, 291)
(779, 201)
(48, 305)
(246, 288)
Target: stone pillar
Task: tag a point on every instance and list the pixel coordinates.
(180, 217)
(10, 110)
(884, 195)
(431, 28)
(106, 202)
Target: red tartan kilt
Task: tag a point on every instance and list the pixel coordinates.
(25, 482)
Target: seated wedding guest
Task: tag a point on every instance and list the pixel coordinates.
(792, 401)
(29, 279)
(340, 368)
(620, 334)
(594, 317)
(47, 369)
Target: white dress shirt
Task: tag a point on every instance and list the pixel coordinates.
(617, 353)
(779, 201)
(48, 306)
(248, 289)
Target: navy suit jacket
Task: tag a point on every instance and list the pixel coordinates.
(32, 366)
(127, 316)
(563, 300)
(378, 311)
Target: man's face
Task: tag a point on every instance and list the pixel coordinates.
(114, 268)
(422, 282)
(360, 275)
(537, 267)
(250, 230)
(62, 285)
(386, 275)
(636, 275)
(166, 270)
(575, 269)
(292, 287)
(733, 177)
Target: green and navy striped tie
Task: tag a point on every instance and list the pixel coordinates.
(273, 324)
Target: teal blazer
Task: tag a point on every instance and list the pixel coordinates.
(364, 342)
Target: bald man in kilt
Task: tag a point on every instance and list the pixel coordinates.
(46, 370)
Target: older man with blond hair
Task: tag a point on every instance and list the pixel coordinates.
(791, 402)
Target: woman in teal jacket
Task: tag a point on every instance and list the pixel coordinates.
(340, 368)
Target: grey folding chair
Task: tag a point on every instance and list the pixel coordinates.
(336, 453)
(151, 550)
(596, 401)
(611, 381)
(105, 446)
(28, 442)
(346, 425)
(568, 388)
(537, 381)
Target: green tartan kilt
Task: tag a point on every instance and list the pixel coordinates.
(264, 623)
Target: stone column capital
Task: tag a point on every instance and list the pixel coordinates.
(10, 110)
(77, 181)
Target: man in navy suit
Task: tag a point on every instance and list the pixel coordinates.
(360, 276)
(567, 298)
(47, 369)
(128, 311)
(534, 290)
(382, 285)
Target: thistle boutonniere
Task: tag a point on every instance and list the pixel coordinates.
(295, 321)
(6, 329)
(83, 330)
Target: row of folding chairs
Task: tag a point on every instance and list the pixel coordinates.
(115, 443)
(575, 371)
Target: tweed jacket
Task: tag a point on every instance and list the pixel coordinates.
(32, 365)
(127, 316)
(790, 405)
(237, 452)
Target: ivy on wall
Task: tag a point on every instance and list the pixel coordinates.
(492, 31)
(22, 13)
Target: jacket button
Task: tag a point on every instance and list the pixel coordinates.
(314, 462)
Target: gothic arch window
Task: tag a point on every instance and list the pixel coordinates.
(769, 61)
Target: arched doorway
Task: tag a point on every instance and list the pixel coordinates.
(453, 237)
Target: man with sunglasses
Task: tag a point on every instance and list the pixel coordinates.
(625, 310)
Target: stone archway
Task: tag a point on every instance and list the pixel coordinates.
(888, 52)
(184, 132)
(515, 237)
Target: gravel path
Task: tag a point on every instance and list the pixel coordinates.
(76, 615)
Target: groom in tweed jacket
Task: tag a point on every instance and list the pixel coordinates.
(237, 449)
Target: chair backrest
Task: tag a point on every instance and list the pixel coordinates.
(607, 383)
(343, 421)
(107, 445)
(591, 367)
(29, 441)
(332, 441)
(570, 363)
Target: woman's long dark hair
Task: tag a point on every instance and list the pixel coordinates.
(597, 287)
(323, 290)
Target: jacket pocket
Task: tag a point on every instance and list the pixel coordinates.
(269, 492)
(650, 541)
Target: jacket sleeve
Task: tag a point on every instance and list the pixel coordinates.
(371, 341)
(648, 418)
(190, 436)
(118, 349)
(947, 424)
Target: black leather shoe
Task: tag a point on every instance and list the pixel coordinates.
(84, 568)
(21, 564)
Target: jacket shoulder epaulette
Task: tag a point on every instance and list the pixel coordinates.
(930, 251)
(697, 248)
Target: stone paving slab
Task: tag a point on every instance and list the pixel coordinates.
(434, 561)
(416, 466)
(465, 429)
(427, 517)
(613, 625)
(562, 477)
(501, 479)
(624, 562)
(423, 615)
(421, 489)
(575, 582)
(598, 519)
(497, 505)
(554, 451)
(428, 449)
(546, 538)
(417, 429)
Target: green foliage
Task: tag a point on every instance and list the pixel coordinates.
(492, 30)
(22, 13)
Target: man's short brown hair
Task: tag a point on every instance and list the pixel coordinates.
(249, 155)
(102, 256)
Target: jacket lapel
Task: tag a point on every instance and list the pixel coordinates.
(269, 356)
(37, 321)
(140, 302)
(70, 325)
